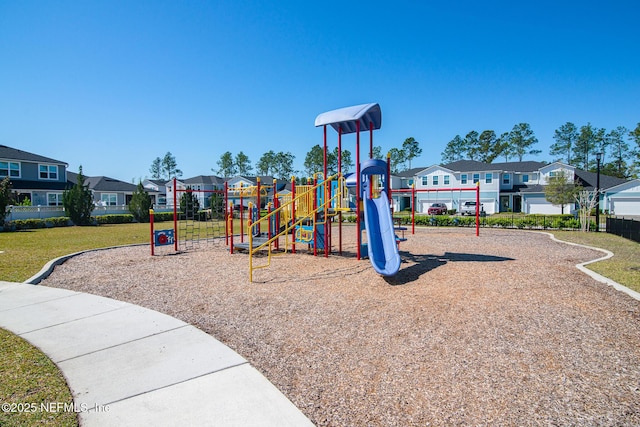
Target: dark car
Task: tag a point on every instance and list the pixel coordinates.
(437, 209)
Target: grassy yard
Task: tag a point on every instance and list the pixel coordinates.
(623, 268)
(28, 377)
(26, 252)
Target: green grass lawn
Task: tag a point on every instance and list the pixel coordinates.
(28, 379)
(26, 252)
(623, 268)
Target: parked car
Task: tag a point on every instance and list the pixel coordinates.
(469, 208)
(437, 209)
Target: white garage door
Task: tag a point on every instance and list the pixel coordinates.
(626, 206)
(541, 206)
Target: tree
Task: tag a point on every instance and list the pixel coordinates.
(521, 138)
(503, 146)
(454, 151)
(170, 167)
(488, 146)
(347, 161)
(411, 149)
(314, 160)
(377, 152)
(634, 136)
(284, 165)
(586, 144)
(565, 137)
(278, 164)
(140, 204)
(5, 198)
(226, 165)
(398, 158)
(267, 163)
(620, 151)
(78, 201)
(471, 143)
(243, 164)
(586, 202)
(561, 190)
(156, 168)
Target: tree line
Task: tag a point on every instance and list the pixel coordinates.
(619, 148)
(280, 164)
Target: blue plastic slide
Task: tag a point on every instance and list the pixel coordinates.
(381, 238)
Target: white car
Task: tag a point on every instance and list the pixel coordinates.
(468, 208)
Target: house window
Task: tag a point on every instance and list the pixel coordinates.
(435, 180)
(553, 174)
(48, 172)
(54, 199)
(525, 178)
(410, 182)
(488, 178)
(425, 180)
(476, 178)
(109, 199)
(10, 169)
(506, 179)
(446, 180)
(463, 178)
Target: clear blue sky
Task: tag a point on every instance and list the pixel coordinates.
(111, 85)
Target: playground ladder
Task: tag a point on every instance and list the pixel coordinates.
(297, 212)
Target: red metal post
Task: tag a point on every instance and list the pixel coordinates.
(371, 140)
(315, 216)
(226, 210)
(324, 160)
(359, 239)
(389, 180)
(241, 216)
(259, 205)
(413, 208)
(339, 189)
(151, 224)
(478, 208)
(293, 214)
(175, 214)
(231, 227)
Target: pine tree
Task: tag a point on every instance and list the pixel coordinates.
(5, 198)
(140, 204)
(78, 201)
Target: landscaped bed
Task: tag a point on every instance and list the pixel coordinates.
(500, 329)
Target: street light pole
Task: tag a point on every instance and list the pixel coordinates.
(598, 157)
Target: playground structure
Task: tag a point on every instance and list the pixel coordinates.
(193, 226)
(304, 214)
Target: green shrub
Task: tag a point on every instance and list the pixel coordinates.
(140, 204)
(114, 219)
(162, 216)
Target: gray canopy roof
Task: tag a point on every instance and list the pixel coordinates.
(369, 115)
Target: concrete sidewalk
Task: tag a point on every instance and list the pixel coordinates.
(129, 366)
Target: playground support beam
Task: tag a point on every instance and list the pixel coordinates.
(175, 214)
(340, 199)
(477, 208)
(358, 196)
(226, 212)
(293, 214)
(370, 140)
(324, 157)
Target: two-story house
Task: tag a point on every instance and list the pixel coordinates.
(40, 179)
